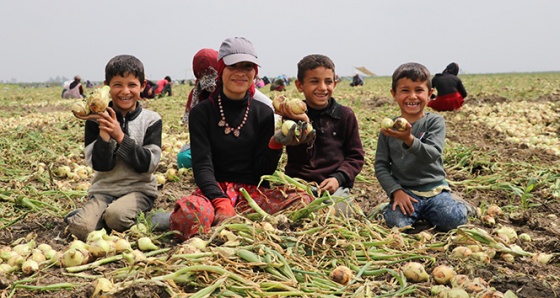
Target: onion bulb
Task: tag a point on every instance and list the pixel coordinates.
(78, 244)
(122, 245)
(38, 256)
(494, 211)
(197, 243)
(461, 252)
(525, 237)
(341, 275)
(98, 101)
(281, 103)
(103, 285)
(101, 248)
(287, 126)
(145, 244)
(6, 268)
(480, 256)
(488, 220)
(457, 293)
(50, 254)
(415, 272)
(508, 232)
(542, 258)
(79, 109)
(459, 280)
(16, 260)
(507, 257)
(44, 247)
(400, 124)
(29, 267)
(443, 274)
(95, 235)
(75, 257)
(387, 123)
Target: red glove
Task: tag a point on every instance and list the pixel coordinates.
(223, 209)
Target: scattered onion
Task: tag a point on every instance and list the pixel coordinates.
(145, 244)
(341, 275)
(443, 274)
(415, 272)
(29, 267)
(461, 252)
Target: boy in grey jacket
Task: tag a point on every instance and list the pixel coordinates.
(123, 146)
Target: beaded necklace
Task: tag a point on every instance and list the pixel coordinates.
(223, 123)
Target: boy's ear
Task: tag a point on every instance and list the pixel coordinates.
(105, 83)
(393, 94)
(430, 92)
(298, 85)
(144, 84)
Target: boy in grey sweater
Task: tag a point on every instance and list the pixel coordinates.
(409, 163)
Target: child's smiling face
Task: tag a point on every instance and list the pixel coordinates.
(125, 92)
(317, 86)
(412, 97)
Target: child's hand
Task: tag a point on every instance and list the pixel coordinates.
(404, 135)
(329, 184)
(109, 124)
(92, 116)
(297, 135)
(404, 202)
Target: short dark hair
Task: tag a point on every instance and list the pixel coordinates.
(310, 62)
(123, 65)
(413, 71)
(168, 78)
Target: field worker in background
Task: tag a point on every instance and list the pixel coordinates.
(74, 89)
(205, 68)
(123, 146)
(357, 80)
(164, 87)
(336, 156)
(450, 90)
(149, 90)
(409, 164)
(278, 85)
(230, 134)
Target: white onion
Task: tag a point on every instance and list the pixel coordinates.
(461, 252)
(145, 244)
(415, 272)
(95, 235)
(443, 274)
(29, 267)
(122, 245)
(101, 248)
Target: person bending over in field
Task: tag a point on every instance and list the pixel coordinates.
(409, 163)
(336, 156)
(74, 89)
(450, 90)
(123, 146)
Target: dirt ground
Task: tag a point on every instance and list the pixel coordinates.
(527, 279)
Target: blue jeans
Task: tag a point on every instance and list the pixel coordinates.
(441, 210)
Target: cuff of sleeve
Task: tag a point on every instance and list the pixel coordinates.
(340, 177)
(126, 146)
(272, 144)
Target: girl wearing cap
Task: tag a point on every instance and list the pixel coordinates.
(230, 134)
(450, 90)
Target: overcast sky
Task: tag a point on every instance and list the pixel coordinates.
(41, 39)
